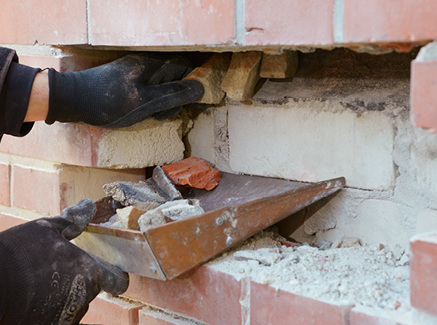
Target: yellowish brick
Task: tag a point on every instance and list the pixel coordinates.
(279, 66)
(210, 75)
(242, 76)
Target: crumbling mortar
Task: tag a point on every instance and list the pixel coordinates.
(221, 146)
(168, 313)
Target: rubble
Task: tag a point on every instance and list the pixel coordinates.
(242, 76)
(170, 211)
(365, 276)
(129, 216)
(144, 195)
(210, 75)
(194, 172)
(279, 66)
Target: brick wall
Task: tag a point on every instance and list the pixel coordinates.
(388, 160)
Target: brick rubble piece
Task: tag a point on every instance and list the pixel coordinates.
(242, 76)
(129, 216)
(279, 66)
(194, 172)
(210, 75)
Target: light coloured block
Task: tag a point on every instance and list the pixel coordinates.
(201, 137)
(312, 141)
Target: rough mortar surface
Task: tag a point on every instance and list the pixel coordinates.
(371, 277)
(149, 143)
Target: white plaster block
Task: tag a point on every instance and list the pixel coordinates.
(201, 137)
(375, 221)
(148, 143)
(313, 141)
(426, 221)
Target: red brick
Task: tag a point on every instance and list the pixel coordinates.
(50, 191)
(193, 172)
(389, 20)
(424, 94)
(7, 222)
(162, 22)
(71, 61)
(38, 190)
(43, 22)
(271, 306)
(289, 22)
(361, 317)
(109, 310)
(423, 270)
(205, 294)
(68, 143)
(85, 145)
(5, 184)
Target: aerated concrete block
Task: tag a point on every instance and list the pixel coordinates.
(149, 143)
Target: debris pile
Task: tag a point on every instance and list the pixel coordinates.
(157, 201)
(372, 277)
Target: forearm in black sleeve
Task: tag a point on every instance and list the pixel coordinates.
(16, 82)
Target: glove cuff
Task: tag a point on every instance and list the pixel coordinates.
(14, 99)
(57, 105)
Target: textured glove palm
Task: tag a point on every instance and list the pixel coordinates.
(44, 279)
(123, 92)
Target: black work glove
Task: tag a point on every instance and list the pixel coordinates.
(45, 279)
(123, 92)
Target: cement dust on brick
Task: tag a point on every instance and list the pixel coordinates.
(376, 278)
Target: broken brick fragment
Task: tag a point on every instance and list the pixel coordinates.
(210, 75)
(129, 216)
(194, 172)
(242, 75)
(279, 66)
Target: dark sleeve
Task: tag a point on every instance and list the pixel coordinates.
(15, 86)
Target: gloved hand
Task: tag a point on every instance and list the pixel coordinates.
(45, 279)
(123, 92)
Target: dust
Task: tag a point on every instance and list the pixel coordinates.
(366, 276)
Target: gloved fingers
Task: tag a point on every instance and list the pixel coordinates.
(162, 98)
(112, 279)
(173, 69)
(73, 220)
(79, 215)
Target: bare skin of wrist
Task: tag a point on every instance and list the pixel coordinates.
(39, 98)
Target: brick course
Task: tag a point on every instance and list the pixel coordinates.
(162, 23)
(294, 22)
(423, 268)
(43, 22)
(109, 310)
(5, 178)
(61, 186)
(389, 21)
(197, 294)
